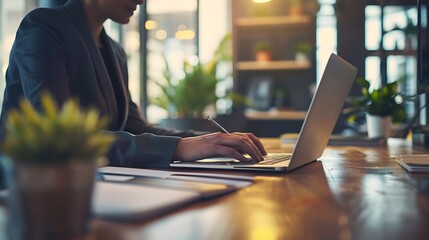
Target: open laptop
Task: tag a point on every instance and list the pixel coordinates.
(319, 122)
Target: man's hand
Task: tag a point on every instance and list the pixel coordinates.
(232, 145)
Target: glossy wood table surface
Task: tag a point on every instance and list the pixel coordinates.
(351, 193)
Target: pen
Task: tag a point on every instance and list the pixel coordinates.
(212, 121)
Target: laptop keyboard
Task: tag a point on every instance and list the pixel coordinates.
(268, 160)
(274, 158)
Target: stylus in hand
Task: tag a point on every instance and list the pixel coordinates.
(216, 124)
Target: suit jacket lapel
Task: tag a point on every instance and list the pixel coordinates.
(75, 9)
(122, 101)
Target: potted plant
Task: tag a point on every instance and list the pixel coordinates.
(187, 99)
(295, 7)
(192, 94)
(263, 51)
(302, 51)
(381, 106)
(50, 161)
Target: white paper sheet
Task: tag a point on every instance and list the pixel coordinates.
(233, 180)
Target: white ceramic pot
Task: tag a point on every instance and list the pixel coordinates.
(378, 126)
(301, 57)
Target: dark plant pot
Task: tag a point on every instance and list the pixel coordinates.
(296, 10)
(49, 201)
(263, 56)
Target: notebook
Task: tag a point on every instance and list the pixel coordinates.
(129, 194)
(129, 202)
(317, 127)
(414, 163)
(133, 194)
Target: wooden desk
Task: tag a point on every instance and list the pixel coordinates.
(351, 193)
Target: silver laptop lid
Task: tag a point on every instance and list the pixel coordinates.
(324, 110)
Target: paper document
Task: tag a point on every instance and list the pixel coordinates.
(118, 201)
(138, 194)
(228, 179)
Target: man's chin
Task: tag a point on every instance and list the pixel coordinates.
(121, 21)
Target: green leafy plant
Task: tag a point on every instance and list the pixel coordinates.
(295, 2)
(54, 135)
(263, 46)
(410, 29)
(303, 47)
(190, 95)
(384, 101)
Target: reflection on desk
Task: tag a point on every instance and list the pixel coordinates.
(338, 197)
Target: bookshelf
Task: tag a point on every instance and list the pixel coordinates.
(283, 75)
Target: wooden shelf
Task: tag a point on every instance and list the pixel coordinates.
(272, 21)
(275, 115)
(272, 65)
(284, 31)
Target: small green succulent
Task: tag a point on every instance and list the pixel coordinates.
(263, 46)
(303, 47)
(54, 135)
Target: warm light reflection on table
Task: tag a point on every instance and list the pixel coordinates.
(351, 193)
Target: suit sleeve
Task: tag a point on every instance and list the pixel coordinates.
(145, 150)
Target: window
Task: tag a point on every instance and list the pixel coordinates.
(128, 36)
(326, 34)
(391, 41)
(171, 38)
(179, 31)
(11, 14)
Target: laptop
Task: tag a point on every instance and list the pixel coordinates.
(318, 125)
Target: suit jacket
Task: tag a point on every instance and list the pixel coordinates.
(55, 51)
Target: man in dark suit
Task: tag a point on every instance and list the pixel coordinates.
(67, 52)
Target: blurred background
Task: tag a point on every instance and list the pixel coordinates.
(269, 54)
